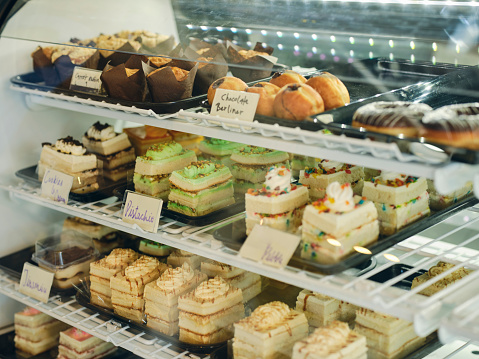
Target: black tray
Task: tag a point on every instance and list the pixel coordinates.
(29, 174)
(83, 298)
(395, 270)
(8, 351)
(33, 81)
(210, 218)
(233, 236)
(13, 265)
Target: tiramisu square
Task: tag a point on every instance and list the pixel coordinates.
(269, 332)
(77, 344)
(161, 297)
(333, 341)
(207, 313)
(248, 282)
(127, 287)
(102, 270)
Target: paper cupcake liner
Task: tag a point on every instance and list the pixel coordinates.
(64, 67)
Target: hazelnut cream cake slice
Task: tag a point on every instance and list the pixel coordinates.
(77, 344)
(333, 341)
(334, 225)
(154, 168)
(70, 157)
(36, 332)
(250, 165)
(248, 282)
(102, 270)
(207, 314)
(178, 257)
(321, 310)
(269, 332)
(325, 172)
(399, 199)
(114, 150)
(127, 287)
(387, 336)
(161, 297)
(278, 204)
(200, 188)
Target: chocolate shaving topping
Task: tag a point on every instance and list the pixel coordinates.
(70, 140)
(100, 127)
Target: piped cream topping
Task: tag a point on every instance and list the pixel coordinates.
(69, 146)
(212, 288)
(174, 278)
(120, 256)
(101, 132)
(141, 267)
(269, 315)
(278, 179)
(329, 165)
(339, 198)
(327, 339)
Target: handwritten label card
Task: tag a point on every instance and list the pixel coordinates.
(36, 282)
(235, 104)
(86, 80)
(142, 210)
(56, 185)
(269, 246)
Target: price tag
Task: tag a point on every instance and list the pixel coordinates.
(86, 80)
(269, 246)
(235, 104)
(142, 210)
(56, 185)
(36, 282)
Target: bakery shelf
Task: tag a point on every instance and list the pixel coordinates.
(70, 312)
(386, 156)
(418, 252)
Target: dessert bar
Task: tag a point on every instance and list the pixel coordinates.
(77, 344)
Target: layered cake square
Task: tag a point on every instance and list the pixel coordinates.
(77, 344)
(248, 282)
(250, 164)
(438, 201)
(143, 137)
(399, 199)
(439, 285)
(178, 257)
(387, 336)
(102, 270)
(161, 297)
(218, 151)
(36, 332)
(333, 341)
(207, 314)
(335, 225)
(278, 204)
(200, 188)
(299, 163)
(321, 310)
(318, 177)
(127, 287)
(114, 151)
(154, 168)
(153, 248)
(269, 332)
(69, 156)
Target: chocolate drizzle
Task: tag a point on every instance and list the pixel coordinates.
(453, 118)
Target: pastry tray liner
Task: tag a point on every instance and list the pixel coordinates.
(233, 236)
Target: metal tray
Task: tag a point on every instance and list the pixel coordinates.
(210, 218)
(233, 236)
(29, 175)
(33, 81)
(7, 344)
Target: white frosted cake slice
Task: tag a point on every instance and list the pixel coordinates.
(387, 336)
(438, 201)
(77, 344)
(248, 282)
(178, 257)
(207, 314)
(335, 225)
(399, 199)
(269, 332)
(334, 341)
(278, 204)
(161, 297)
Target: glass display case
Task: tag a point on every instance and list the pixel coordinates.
(157, 63)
